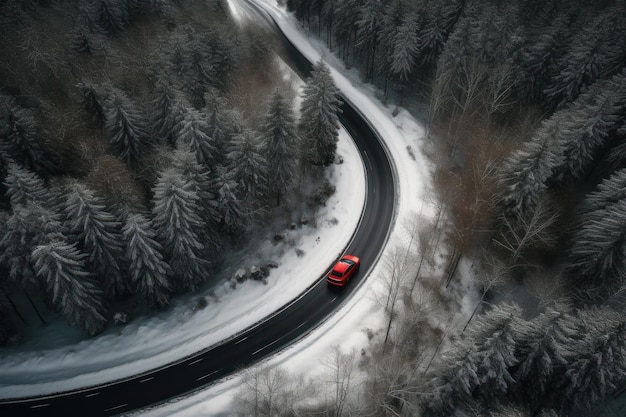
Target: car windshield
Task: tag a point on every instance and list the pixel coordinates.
(336, 273)
(347, 261)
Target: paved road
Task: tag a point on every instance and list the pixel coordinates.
(289, 324)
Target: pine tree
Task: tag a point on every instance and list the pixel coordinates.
(524, 174)
(599, 364)
(28, 226)
(71, 287)
(168, 112)
(594, 54)
(368, 33)
(609, 192)
(20, 139)
(404, 49)
(226, 191)
(24, 186)
(345, 24)
(149, 272)
(280, 144)
(586, 126)
(547, 345)
(596, 260)
(248, 166)
(481, 367)
(126, 128)
(177, 220)
(194, 134)
(99, 235)
(319, 121)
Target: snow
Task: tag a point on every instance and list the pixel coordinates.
(150, 342)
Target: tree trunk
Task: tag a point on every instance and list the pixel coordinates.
(13, 306)
(32, 303)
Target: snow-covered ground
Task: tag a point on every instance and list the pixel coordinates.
(147, 343)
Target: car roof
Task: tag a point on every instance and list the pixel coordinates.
(342, 265)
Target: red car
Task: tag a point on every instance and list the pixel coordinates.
(343, 270)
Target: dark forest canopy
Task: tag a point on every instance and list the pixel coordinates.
(134, 152)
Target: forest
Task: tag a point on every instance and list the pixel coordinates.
(525, 108)
(140, 141)
(133, 153)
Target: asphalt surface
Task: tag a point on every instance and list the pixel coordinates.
(292, 322)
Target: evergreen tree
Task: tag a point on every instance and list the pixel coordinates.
(24, 186)
(280, 145)
(586, 126)
(149, 272)
(226, 191)
(345, 24)
(126, 128)
(404, 49)
(70, 286)
(481, 366)
(599, 364)
(597, 51)
(168, 113)
(524, 174)
(596, 260)
(547, 345)
(194, 134)
(368, 33)
(177, 220)
(319, 121)
(609, 192)
(20, 139)
(28, 226)
(248, 166)
(99, 235)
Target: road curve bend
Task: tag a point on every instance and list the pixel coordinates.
(290, 323)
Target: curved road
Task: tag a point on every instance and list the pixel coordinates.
(283, 328)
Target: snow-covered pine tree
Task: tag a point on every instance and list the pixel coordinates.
(177, 220)
(223, 122)
(24, 186)
(394, 14)
(481, 366)
(319, 122)
(226, 191)
(345, 25)
(168, 111)
(194, 134)
(368, 33)
(546, 346)
(20, 139)
(599, 363)
(404, 48)
(609, 192)
(98, 233)
(587, 125)
(126, 128)
(28, 226)
(149, 272)
(594, 54)
(524, 174)
(72, 289)
(596, 260)
(248, 166)
(280, 144)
